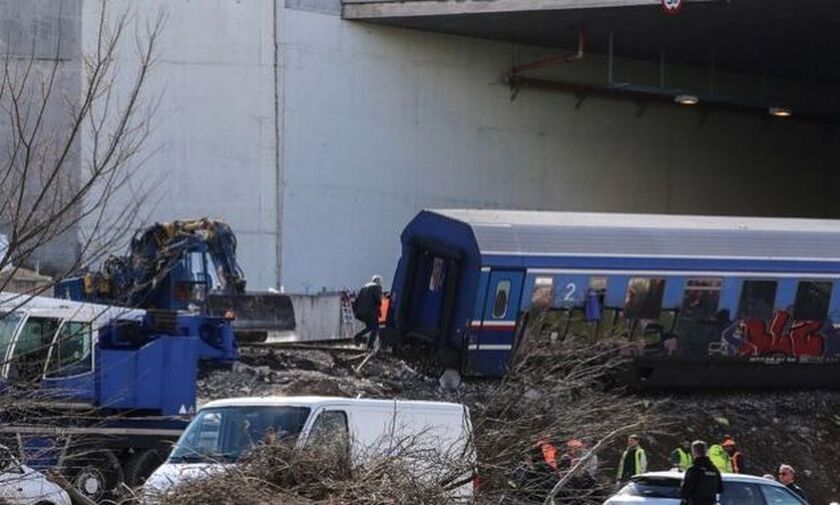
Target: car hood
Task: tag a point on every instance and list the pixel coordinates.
(169, 475)
(34, 485)
(637, 500)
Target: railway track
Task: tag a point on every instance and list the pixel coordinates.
(333, 345)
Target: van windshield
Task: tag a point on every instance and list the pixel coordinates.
(222, 435)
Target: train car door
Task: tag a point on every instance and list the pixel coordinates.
(431, 298)
(498, 325)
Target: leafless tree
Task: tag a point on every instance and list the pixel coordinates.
(69, 155)
(73, 132)
(557, 393)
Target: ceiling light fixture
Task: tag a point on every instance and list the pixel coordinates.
(780, 111)
(686, 99)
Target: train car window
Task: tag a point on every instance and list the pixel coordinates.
(644, 298)
(811, 301)
(757, 300)
(698, 324)
(599, 285)
(700, 300)
(500, 303)
(438, 274)
(543, 294)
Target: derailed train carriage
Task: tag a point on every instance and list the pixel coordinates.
(704, 301)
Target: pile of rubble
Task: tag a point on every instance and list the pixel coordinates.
(266, 371)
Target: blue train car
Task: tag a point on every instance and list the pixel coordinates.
(697, 301)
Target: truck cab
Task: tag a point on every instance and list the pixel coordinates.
(54, 344)
(100, 391)
(104, 355)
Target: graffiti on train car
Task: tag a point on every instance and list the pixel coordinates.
(784, 336)
(698, 328)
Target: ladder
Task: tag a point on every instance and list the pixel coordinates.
(348, 320)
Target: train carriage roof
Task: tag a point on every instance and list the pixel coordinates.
(521, 233)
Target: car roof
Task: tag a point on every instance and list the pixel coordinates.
(317, 401)
(727, 477)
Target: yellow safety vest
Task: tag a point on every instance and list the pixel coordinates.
(637, 467)
(683, 459)
(720, 458)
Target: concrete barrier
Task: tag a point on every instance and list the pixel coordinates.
(318, 317)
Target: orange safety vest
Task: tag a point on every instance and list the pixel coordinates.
(383, 309)
(549, 453)
(735, 458)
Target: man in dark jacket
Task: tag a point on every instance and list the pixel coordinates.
(702, 482)
(366, 309)
(787, 475)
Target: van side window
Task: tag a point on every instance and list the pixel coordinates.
(644, 298)
(331, 435)
(811, 301)
(500, 302)
(329, 427)
(71, 353)
(757, 300)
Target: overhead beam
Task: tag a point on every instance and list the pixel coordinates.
(376, 9)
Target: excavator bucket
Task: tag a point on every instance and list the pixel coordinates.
(256, 317)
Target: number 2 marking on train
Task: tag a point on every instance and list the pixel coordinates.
(570, 290)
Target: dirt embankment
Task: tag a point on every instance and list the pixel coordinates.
(797, 428)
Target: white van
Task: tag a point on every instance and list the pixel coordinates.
(222, 430)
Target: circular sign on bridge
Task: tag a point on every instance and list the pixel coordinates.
(671, 6)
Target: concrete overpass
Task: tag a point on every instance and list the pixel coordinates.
(767, 39)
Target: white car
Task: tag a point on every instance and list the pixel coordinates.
(663, 488)
(21, 485)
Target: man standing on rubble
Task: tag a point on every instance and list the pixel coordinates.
(366, 308)
(633, 460)
(702, 482)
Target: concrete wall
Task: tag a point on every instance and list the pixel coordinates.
(362, 126)
(38, 37)
(212, 146)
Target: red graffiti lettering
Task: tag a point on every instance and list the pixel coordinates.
(785, 336)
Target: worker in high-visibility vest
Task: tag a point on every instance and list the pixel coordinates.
(736, 457)
(548, 451)
(383, 308)
(633, 460)
(681, 456)
(720, 458)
